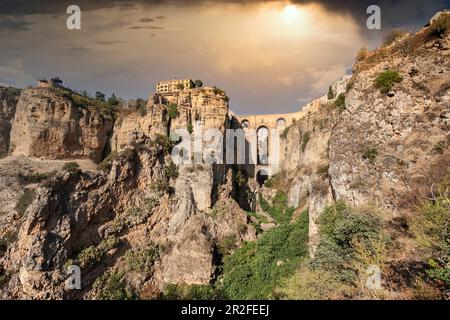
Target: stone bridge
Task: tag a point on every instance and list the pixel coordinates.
(268, 128)
(265, 125)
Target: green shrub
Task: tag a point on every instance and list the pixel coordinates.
(171, 170)
(111, 286)
(106, 163)
(254, 270)
(431, 227)
(84, 101)
(370, 153)
(305, 139)
(268, 183)
(195, 168)
(340, 102)
(277, 181)
(89, 256)
(93, 254)
(227, 245)
(279, 209)
(240, 178)
(386, 80)
(218, 91)
(440, 147)
(172, 111)
(285, 132)
(72, 167)
(25, 199)
(191, 292)
(330, 94)
(161, 186)
(142, 108)
(142, 259)
(29, 178)
(180, 86)
(340, 227)
(175, 138)
(163, 142)
(198, 83)
(309, 284)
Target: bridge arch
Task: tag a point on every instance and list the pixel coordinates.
(281, 123)
(262, 134)
(245, 123)
(261, 176)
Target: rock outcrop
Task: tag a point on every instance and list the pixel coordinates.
(387, 145)
(207, 106)
(150, 120)
(48, 124)
(8, 101)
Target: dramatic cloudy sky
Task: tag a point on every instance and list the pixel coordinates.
(270, 56)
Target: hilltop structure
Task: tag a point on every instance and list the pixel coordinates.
(174, 85)
(53, 82)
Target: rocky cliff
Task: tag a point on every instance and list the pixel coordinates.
(141, 207)
(49, 124)
(8, 102)
(138, 223)
(208, 106)
(371, 145)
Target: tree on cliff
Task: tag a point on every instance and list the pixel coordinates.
(198, 83)
(330, 94)
(100, 96)
(113, 101)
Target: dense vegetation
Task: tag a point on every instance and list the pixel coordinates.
(278, 209)
(82, 100)
(254, 270)
(431, 228)
(351, 241)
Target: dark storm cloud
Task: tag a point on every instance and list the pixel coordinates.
(14, 24)
(393, 10)
(26, 7)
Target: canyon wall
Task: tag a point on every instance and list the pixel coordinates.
(8, 102)
(48, 124)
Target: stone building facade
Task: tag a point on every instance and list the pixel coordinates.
(173, 86)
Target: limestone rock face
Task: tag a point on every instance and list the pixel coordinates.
(304, 158)
(8, 102)
(49, 125)
(206, 105)
(77, 212)
(386, 146)
(150, 121)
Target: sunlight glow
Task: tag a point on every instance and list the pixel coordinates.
(290, 14)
